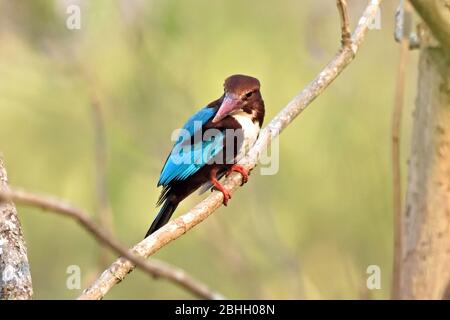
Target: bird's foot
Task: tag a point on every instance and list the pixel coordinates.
(238, 168)
(225, 192)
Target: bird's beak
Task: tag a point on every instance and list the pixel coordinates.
(229, 104)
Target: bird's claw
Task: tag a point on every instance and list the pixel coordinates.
(226, 197)
(226, 194)
(219, 187)
(243, 171)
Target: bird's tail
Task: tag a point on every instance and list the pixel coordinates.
(163, 216)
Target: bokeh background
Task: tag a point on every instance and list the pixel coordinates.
(307, 232)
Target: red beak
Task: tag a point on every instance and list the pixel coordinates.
(229, 104)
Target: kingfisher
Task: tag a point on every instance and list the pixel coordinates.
(210, 144)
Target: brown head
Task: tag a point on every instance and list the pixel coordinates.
(240, 93)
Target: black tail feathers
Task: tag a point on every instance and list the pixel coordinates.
(163, 216)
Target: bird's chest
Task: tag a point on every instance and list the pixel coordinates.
(250, 131)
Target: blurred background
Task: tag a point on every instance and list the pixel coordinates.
(308, 232)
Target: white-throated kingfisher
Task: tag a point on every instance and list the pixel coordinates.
(210, 144)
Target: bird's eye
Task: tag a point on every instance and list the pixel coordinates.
(248, 94)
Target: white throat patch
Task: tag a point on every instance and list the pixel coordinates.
(250, 130)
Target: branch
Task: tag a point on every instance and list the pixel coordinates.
(155, 268)
(177, 227)
(403, 32)
(346, 36)
(15, 277)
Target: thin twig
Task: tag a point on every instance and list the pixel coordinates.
(103, 205)
(176, 228)
(346, 36)
(403, 34)
(152, 267)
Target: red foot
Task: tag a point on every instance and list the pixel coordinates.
(221, 188)
(238, 168)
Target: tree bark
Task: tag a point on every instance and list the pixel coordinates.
(426, 252)
(15, 277)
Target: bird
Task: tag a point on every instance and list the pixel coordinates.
(210, 144)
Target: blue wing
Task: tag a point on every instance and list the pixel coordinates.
(202, 116)
(185, 159)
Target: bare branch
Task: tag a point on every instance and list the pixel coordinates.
(15, 277)
(346, 36)
(176, 228)
(152, 267)
(403, 37)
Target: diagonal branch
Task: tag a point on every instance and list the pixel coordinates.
(155, 268)
(176, 228)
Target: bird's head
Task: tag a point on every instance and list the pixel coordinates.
(240, 92)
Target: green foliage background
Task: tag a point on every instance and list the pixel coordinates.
(310, 231)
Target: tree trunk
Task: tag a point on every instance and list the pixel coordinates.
(426, 253)
(15, 277)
